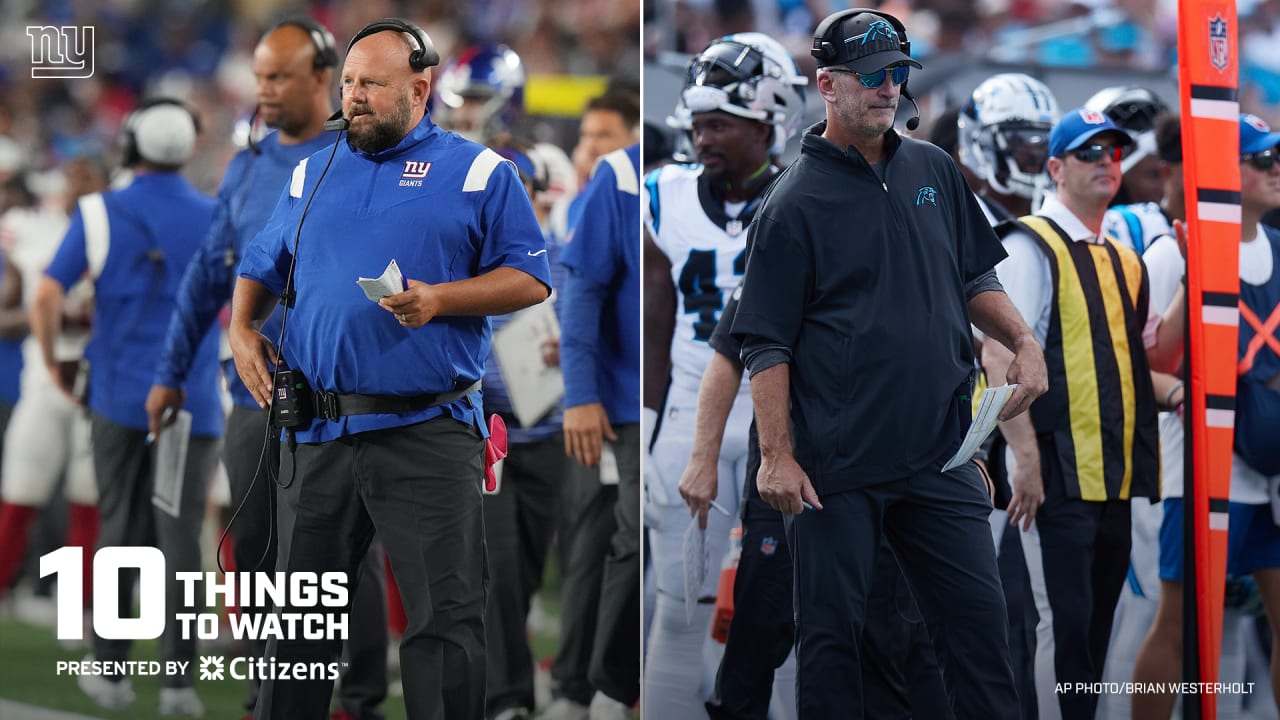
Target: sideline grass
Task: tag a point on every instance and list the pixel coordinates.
(28, 674)
(29, 656)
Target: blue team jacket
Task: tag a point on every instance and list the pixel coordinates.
(250, 189)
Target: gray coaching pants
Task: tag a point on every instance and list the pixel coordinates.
(252, 471)
(122, 461)
(419, 487)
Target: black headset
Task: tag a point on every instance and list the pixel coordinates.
(326, 47)
(827, 52)
(129, 139)
(423, 57)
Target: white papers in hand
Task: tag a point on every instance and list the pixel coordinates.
(697, 563)
(171, 464)
(391, 282)
(533, 386)
(984, 421)
(608, 465)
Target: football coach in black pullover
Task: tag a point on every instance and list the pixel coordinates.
(871, 258)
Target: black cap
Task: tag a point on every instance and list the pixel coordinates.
(865, 43)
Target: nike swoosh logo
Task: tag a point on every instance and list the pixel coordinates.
(536, 254)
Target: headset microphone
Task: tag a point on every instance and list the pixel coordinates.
(914, 122)
(336, 123)
(253, 122)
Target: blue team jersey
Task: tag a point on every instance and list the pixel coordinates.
(600, 339)
(10, 370)
(250, 189)
(445, 209)
(156, 225)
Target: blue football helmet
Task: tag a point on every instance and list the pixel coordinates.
(481, 93)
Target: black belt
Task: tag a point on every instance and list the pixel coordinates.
(332, 406)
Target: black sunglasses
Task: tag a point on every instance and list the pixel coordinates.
(1095, 153)
(1263, 161)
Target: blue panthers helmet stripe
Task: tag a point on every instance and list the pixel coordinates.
(1134, 223)
(651, 184)
(1031, 92)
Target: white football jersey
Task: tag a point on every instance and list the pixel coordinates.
(1137, 225)
(707, 250)
(33, 236)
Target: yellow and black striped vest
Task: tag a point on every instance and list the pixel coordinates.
(1100, 407)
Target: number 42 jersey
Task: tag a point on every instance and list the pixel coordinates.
(706, 244)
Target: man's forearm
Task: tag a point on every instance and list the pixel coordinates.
(1018, 432)
(497, 292)
(719, 388)
(46, 317)
(997, 317)
(251, 303)
(204, 289)
(771, 396)
(1165, 355)
(580, 339)
(14, 323)
(659, 328)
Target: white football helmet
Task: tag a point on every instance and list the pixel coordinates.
(1004, 133)
(750, 75)
(1135, 110)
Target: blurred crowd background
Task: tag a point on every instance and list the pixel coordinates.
(200, 50)
(1075, 47)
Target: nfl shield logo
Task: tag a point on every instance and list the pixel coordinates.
(768, 546)
(1219, 50)
(1092, 117)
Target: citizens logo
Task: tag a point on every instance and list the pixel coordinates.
(211, 667)
(249, 668)
(61, 52)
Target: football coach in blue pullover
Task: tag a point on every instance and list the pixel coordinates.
(600, 354)
(294, 65)
(396, 442)
(134, 243)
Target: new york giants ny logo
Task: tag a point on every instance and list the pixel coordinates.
(415, 169)
(61, 52)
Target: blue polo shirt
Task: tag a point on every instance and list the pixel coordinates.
(600, 337)
(445, 209)
(250, 189)
(156, 225)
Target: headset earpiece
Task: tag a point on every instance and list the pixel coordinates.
(421, 58)
(326, 47)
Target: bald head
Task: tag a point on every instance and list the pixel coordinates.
(293, 95)
(381, 95)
